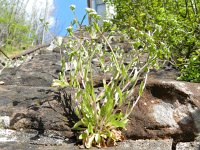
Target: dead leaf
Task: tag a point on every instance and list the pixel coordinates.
(110, 142)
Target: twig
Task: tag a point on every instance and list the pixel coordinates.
(4, 53)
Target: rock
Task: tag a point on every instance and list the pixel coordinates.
(33, 108)
(7, 135)
(28, 146)
(164, 74)
(167, 109)
(5, 121)
(188, 146)
(146, 145)
(1, 67)
(40, 71)
(27, 139)
(126, 145)
(28, 102)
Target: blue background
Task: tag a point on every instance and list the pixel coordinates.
(63, 15)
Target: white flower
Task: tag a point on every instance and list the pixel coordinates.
(89, 10)
(72, 7)
(69, 29)
(92, 13)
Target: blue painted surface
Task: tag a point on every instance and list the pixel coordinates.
(64, 16)
(100, 7)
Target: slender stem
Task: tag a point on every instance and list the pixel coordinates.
(112, 51)
(139, 96)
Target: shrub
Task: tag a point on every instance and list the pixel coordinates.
(190, 68)
(174, 23)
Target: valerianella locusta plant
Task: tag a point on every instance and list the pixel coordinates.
(100, 113)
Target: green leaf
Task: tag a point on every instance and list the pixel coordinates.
(117, 123)
(96, 26)
(141, 88)
(41, 20)
(76, 126)
(108, 107)
(117, 120)
(119, 91)
(90, 128)
(59, 83)
(83, 136)
(87, 109)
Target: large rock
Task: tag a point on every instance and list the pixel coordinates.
(167, 109)
(38, 108)
(40, 71)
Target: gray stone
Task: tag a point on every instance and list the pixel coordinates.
(7, 135)
(1, 68)
(188, 146)
(146, 145)
(126, 145)
(40, 71)
(28, 146)
(5, 121)
(33, 108)
(28, 139)
(163, 114)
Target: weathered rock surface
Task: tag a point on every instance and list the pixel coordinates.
(40, 71)
(146, 145)
(188, 146)
(28, 139)
(33, 108)
(167, 109)
(126, 145)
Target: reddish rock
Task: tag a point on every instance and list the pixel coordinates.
(167, 109)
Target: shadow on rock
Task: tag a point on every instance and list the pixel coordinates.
(68, 105)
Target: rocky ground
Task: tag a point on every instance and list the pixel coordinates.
(32, 115)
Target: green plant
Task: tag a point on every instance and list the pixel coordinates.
(100, 112)
(14, 28)
(20, 29)
(176, 24)
(190, 68)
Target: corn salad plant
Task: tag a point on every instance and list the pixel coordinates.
(100, 113)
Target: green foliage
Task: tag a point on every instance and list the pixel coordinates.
(100, 114)
(15, 29)
(190, 71)
(61, 81)
(14, 33)
(174, 24)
